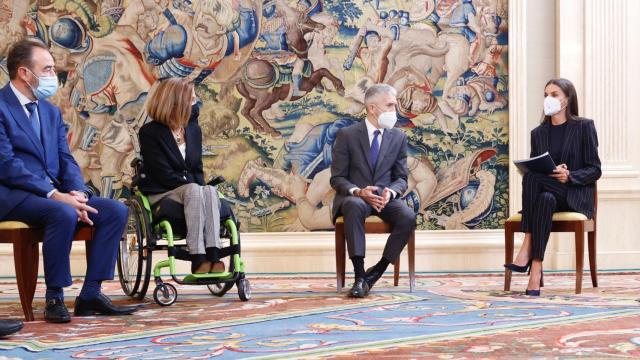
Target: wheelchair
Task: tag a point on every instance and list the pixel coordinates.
(159, 227)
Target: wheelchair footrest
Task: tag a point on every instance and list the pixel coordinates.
(208, 278)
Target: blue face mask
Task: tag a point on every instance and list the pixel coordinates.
(47, 86)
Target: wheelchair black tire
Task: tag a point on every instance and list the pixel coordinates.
(138, 286)
(244, 289)
(165, 294)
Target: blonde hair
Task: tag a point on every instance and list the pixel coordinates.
(169, 102)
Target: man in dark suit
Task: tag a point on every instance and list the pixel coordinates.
(369, 174)
(41, 184)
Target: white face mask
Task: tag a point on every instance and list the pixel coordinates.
(552, 106)
(387, 119)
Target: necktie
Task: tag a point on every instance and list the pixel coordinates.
(33, 118)
(375, 149)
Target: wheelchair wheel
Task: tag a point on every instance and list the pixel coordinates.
(220, 289)
(134, 257)
(244, 289)
(165, 294)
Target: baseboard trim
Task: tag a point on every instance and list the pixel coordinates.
(456, 250)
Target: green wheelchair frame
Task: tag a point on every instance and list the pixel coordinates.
(141, 238)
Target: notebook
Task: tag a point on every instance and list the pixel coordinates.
(541, 164)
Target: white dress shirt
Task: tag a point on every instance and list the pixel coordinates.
(370, 131)
(183, 150)
(22, 99)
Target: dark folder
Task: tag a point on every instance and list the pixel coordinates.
(541, 164)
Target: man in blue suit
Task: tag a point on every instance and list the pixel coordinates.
(41, 184)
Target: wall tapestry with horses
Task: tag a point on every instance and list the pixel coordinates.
(276, 80)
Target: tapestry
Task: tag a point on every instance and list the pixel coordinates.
(276, 80)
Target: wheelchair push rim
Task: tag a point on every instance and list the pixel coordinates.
(134, 256)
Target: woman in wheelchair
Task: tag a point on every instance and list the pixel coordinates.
(171, 147)
(572, 143)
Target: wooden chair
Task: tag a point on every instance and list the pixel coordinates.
(26, 253)
(373, 225)
(574, 222)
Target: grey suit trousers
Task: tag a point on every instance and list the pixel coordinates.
(396, 213)
(202, 214)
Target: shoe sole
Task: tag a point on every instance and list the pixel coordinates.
(97, 313)
(358, 296)
(57, 321)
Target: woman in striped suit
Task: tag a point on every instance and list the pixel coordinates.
(572, 142)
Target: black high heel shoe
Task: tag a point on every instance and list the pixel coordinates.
(536, 292)
(518, 268)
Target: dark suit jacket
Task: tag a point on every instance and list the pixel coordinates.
(580, 154)
(164, 166)
(351, 165)
(29, 166)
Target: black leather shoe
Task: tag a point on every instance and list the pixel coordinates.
(359, 289)
(372, 276)
(8, 327)
(56, 312)
(100, 305)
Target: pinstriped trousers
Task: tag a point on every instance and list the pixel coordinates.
(202, 215)
(542, 195)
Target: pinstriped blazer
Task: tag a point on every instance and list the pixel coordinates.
(580, 154)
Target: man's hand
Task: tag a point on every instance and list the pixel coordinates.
(79, 202)
(370, 197)
(79, 195)
(386, 195)
(83, 215)
(561, 173)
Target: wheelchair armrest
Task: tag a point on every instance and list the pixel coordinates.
(216, 180)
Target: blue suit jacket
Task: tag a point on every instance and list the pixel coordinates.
(28, 166)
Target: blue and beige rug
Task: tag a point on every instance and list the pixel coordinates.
(461, 316)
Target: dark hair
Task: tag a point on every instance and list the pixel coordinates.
(572, 98)
(21, 54)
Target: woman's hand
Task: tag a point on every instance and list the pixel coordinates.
(561, 173)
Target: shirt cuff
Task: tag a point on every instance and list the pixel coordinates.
(352, 190)
(394, 194)
(87, 193)
(50, 193)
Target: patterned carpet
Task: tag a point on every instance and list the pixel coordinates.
(461, 316)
